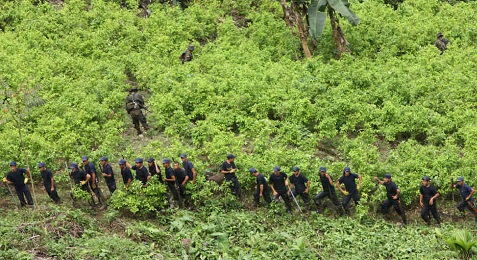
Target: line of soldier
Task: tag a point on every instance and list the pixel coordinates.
(279, 184)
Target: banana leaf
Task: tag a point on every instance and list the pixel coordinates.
(317, 17)
(340, 7)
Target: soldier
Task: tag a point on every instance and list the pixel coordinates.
(351, 192)
(134, 106)
(229, 169)
(328, 190)
(392, 193)
(300, 185)
(263, 191)
(48, 182)
(170, 179)
(154, 169)
(125, 173)
(108, 174)
(466, 193)
(16, 177)
(187, 56)
(427, 197)
(278, 182)
(80, 177)
(94, 181)
(189, 168)
(141, 172)
(441, 43)
(182, 180)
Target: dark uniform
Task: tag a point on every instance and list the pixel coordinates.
(141, 174)
(441, 43)
(278, 182)
(21, 188)
(134, 106)
(300, 183)
(465, 190)
(90, 169)
(188, 166)
(79, 176)
(328, 191)
(110, 181)
(350, 185)
(46, 176)
(126, 174)
(171, 185)
(232, 178)
(180, 177)
(266, 190)
(391, 190)
(153, 171)
(187, 55)
(427, 194)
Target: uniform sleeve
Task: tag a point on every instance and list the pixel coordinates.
(134, 167)
(109, 170)
(421, 189)
(270, 180)
(434, 190)
(355, 176)
(224, 166)
(340, 180)
(191, 165)
(9, 177)
(49, 174)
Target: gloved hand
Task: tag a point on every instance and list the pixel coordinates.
(82, 183)
(359, 187)
(25, 181)
(93, 185)
(346, 193)
(4, 179)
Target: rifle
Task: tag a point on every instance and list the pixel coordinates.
(295, 199)
(472, 206)
(11, 192)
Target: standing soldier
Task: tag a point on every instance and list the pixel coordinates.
(108, 174)
(187, 56)
(170, 179)
(263, 191)
(48, 182)
(154, 169)
(328, 191)
(189, 168)
(16, 178)
(278, 182)
(134, 106)
(427, 201)
(300, 185)
(93, 181)
(125, 173)
(182, 180)
(229, 169)
(466, 193)
(351, 192)
(441, 43)
(80, 177)
(392, 193)
(141, 172)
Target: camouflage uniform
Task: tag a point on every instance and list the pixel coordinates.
(134, 106)
(187, 56)
(441, 43)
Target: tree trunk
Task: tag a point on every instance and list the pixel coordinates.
(338, 35)
(293, 18)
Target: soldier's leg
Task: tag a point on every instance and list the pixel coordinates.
(267, 198)
(20, 197)
(306, 198)
(135, 119)
(27, 193)
(400, 210)
(334, 199)
(143, 120)
(356, 198)
(462, 205)
(346, 201)
(286, 199)
(54, 196)
(256, 197)
(112, 187)
(435, 213)
(425, 214)
(236, 188)
(319, 197)
(385, 207)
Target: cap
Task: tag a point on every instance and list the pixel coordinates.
(295, 168)
(138, 160)
(166, 160)
(426, 178)
(13, 164)
(276, 168)
(252, 170)
(387, 176)
(104, 158)
(440, 34)
(230, 156)
(347, 169)
(84, 158)
(183, 155)
(322, 169)
(150, 160)
(74, 165)
(133, 89)
(122, 161)
(190, 47)
(41, 164)
(460, 178)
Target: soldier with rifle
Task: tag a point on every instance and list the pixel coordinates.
(134, 106)
(393, 199)
(16, 177)
(466, 193)
(93, 181)
(441, 43)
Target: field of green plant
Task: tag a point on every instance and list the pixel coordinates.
(391, 104)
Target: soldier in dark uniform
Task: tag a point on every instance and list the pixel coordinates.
(187, 56)
(141, 172)
(125, 173)
(466, 193)
(16, 177)
(441, 43)
(170, 179)
(278, 182)
(182, 180)
(80, 177)
(188, 168)
(94, 181)
(48, 182)
(134, 106)
(427, 197)
(263, 191)
(108, 174)
(351, 192)
(154, 169)
(392, 193)
(328, 191)
(300, 185)
(229, 169)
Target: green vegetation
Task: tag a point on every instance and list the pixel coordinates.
(391, 104)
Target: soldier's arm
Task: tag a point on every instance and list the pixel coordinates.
(261, 189)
